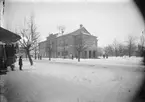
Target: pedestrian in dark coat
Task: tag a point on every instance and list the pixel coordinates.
(40, 57)
(20, 63)
(72, 57)
(103, 55)
(107, 56)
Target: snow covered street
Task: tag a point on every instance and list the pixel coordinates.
(69, 81)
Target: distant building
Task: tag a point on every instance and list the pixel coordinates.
(65, 45)
(42, 49)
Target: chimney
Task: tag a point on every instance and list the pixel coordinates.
(81, 25)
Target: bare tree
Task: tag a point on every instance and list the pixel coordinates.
(109, 50)
(29, 38)
(115, 45)
(36, 51)
(141, 44)
(49, 47)
(80, 45)
(100, 51)
(142, 41)
(131, 45)
(35, 36)
(121, 49)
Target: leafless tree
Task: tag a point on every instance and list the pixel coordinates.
(49, 47)
(121, 49)
(109, 50)
(141, 44)
(115, 45)
(100, 51)
(131, 45)
(142, 41)
(35, 36)
(80, 45)
(29, 38)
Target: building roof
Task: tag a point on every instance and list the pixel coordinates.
(42, 42)
(81, 30)
(8, 36)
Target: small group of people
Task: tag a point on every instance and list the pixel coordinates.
(39, 57)
(72, 57)
(105, 55)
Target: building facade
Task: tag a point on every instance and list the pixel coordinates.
(42, 49)
(67, 45)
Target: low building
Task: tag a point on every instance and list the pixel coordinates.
(65, 46)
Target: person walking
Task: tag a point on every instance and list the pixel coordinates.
(72, 57)
(107, 56)
(20, 63)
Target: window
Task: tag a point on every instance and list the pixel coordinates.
(66, 52)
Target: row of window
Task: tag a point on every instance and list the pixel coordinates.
(63, 53)
(90, 54)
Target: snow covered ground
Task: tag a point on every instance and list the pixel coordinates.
(66, 80)
(109, 61)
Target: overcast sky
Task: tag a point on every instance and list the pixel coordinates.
(106, 20)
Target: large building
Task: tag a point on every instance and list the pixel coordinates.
(66, 45)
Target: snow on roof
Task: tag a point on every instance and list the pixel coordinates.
(80, 30)
(76, 32)
(7, 36)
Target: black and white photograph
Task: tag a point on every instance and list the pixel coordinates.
(72, 51)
